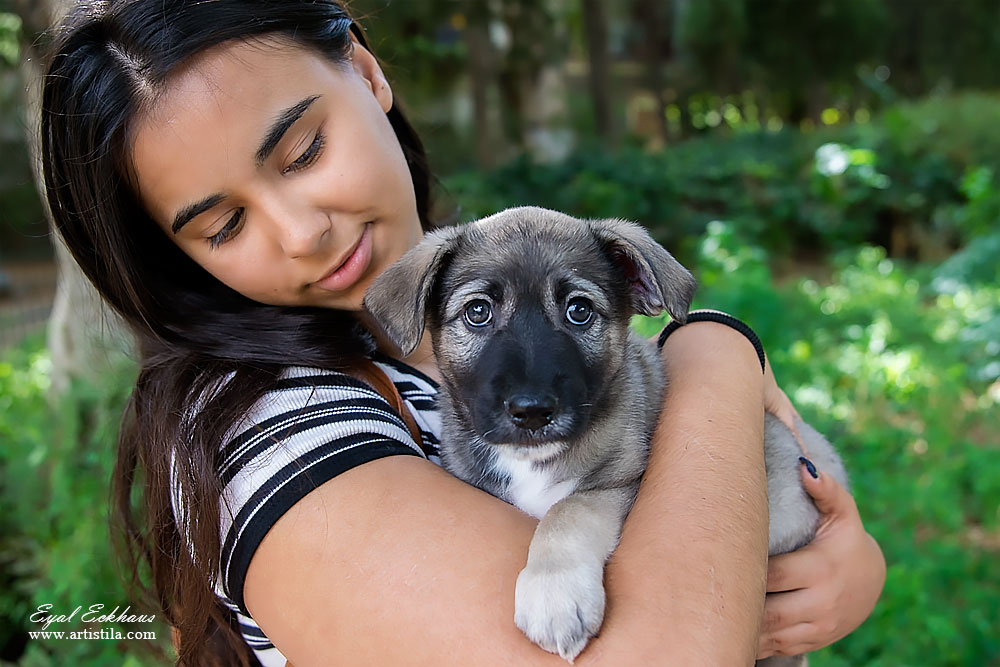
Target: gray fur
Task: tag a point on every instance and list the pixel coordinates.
(576, 466)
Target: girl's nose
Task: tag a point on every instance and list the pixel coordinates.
(305, 236)
(299, 229)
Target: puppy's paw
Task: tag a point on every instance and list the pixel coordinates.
(560, 608)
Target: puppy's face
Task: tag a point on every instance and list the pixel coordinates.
(529, 325)
(529, 311)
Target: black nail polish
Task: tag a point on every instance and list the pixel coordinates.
(809, 466)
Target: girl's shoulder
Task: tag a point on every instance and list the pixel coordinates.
(321, 398)
(313, 412)
(340, 398)
(309, 426)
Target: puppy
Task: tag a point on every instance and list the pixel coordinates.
(548, 397)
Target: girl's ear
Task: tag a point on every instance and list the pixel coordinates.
(366, 65)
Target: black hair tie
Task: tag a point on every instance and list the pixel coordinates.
(721, 318)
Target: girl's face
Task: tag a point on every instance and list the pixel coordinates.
(278, 172)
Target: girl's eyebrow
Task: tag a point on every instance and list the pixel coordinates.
(186, 214)
(272, 138)
(278, 128)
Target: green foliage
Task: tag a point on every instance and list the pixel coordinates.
(10, 28)
(908, 175)
(960, 128)
(675, 192)
(22, 385)
(901, 371)
(55, 467)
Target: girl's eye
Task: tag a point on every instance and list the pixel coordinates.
(231, 229)
(579, 311)
(309, 155)
(478, 313)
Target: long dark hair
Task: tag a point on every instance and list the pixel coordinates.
(109, 60)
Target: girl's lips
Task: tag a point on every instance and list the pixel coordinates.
(351, 270)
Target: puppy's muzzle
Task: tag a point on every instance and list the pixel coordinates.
(531, 411)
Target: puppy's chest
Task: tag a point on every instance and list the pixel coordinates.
(531, 489)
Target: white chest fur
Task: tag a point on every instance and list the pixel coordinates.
(532, 490)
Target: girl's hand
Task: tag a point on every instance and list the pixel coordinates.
(823, 591)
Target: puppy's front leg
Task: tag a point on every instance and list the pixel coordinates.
(559, 598)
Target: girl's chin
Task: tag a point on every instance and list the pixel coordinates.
(351, 300)
(349, 305)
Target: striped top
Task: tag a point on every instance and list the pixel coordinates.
(313, 425)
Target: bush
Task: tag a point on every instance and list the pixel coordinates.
(55, 467)
(899, 366)
(909, 181)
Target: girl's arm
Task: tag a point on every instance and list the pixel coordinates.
(397, 562)
(694, 548)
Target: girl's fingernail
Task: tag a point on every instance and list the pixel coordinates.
(809, 466)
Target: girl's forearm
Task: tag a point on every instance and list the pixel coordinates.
(701, 513)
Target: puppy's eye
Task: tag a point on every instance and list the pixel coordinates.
(478, 313)
(579, 311)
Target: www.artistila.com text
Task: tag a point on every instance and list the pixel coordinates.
(104, 633)
(92, 615)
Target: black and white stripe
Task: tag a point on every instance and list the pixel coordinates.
(312, 426)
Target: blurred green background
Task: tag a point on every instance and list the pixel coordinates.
(830, 170)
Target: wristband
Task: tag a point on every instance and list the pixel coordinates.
(721, 318)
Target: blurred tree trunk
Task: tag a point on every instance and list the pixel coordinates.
(530, 29)
(596, 30)
(83, 335)
(532, 85)
(654, 19)
(680, 68)
(481, 66)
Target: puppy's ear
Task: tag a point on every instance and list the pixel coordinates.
(658, 281)
(397, 299)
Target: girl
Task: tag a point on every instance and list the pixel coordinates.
(232, 175)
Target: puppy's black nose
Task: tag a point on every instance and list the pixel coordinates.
(531, 412)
